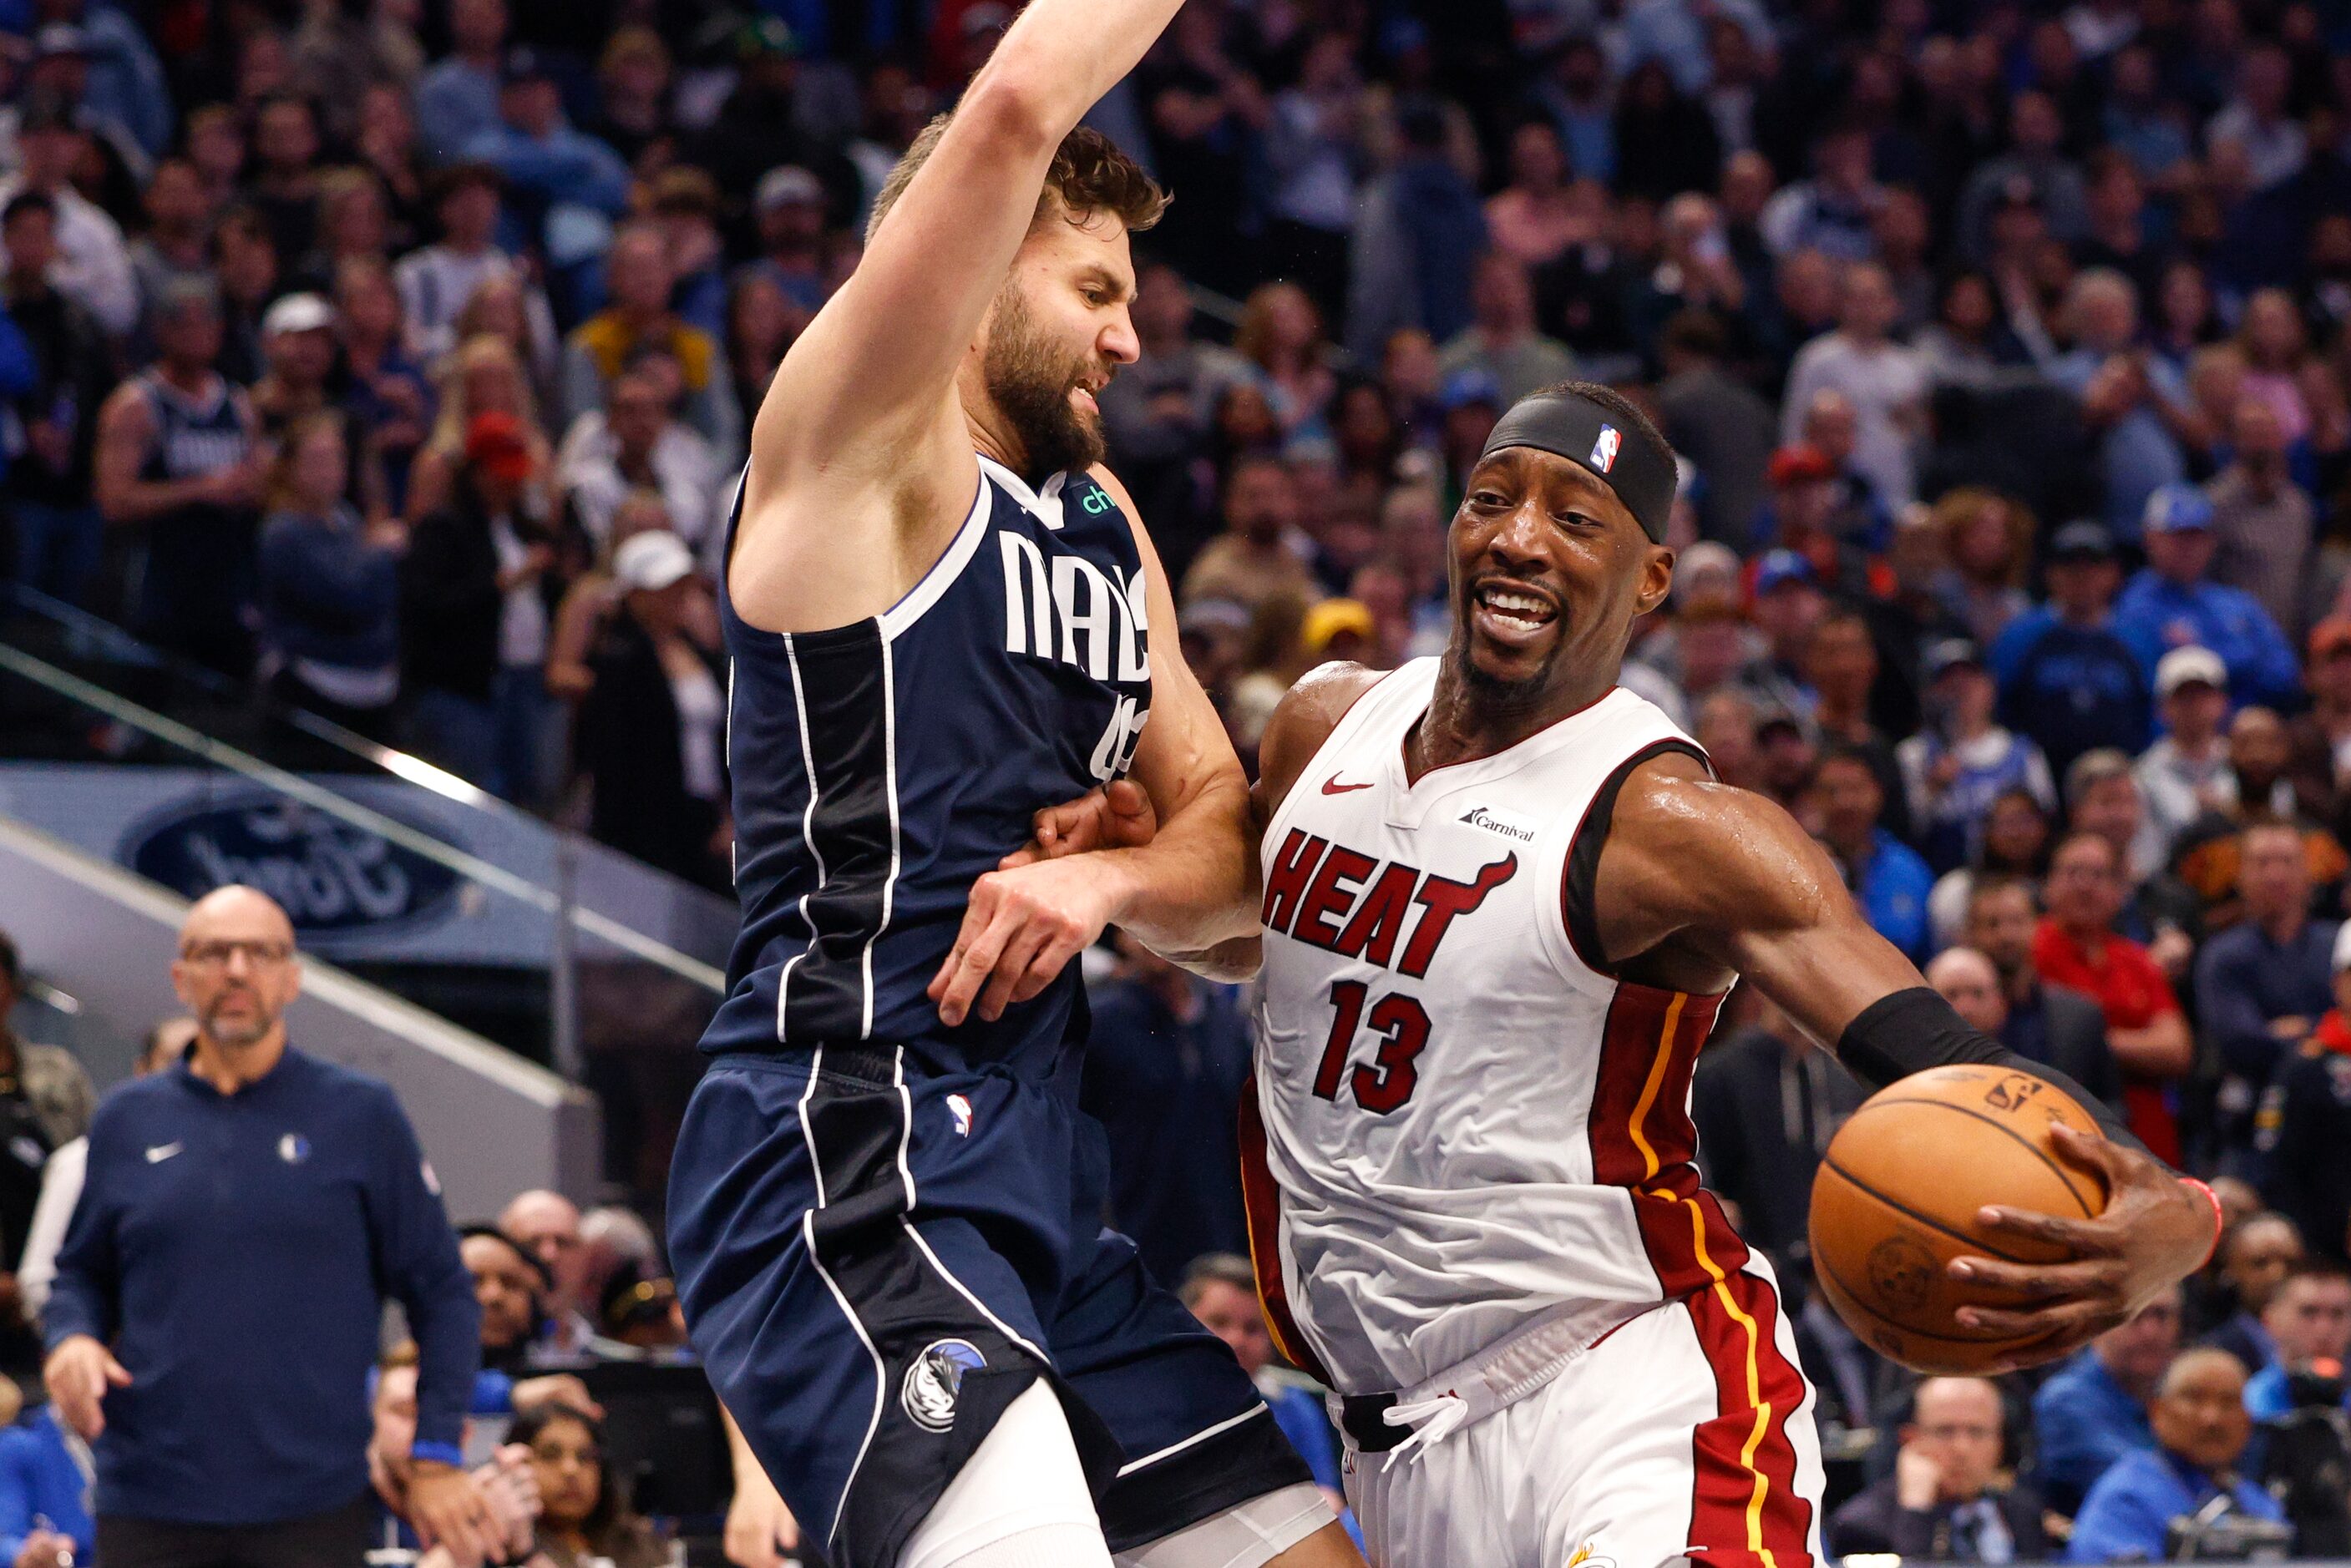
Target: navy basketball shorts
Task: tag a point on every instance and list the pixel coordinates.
(875, 1260)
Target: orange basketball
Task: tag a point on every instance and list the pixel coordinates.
(1896, 1197)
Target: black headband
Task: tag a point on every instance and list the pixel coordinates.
(1570, 425)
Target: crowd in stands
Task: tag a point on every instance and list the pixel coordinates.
(398, 358)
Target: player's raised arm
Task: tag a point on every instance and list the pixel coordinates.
(872, 378)
(1772, 909)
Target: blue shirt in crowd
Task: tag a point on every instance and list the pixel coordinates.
(2244, 979)
(2086, 1421)
(236, 1250)
(41, 1479)
(2156, 614)
(2126, 1514)
(2069, 688)
(1891, 887)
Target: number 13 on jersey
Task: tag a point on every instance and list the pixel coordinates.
(1388, 1079)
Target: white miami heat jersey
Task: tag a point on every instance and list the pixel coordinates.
(1469, 1124)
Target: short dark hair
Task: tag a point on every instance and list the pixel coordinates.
(12, 968)
(1990, 884)
(539, 1269)
(2326, 1271)
(1216, 1269)
(1088, 175)
(610, 1500)
(25, 202)
(1859, 757)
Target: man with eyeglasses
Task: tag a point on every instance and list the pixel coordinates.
(1945, 1501)
(219, 1296)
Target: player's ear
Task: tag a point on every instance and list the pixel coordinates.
(1656, 580)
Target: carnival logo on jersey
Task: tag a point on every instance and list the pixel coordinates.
(1342, 902)
(935, 1380)
(1604, 450)
(1501, 822)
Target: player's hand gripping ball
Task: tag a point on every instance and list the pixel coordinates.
(1898, 1195)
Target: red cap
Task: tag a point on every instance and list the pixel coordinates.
(495, 444)
(1799, 465)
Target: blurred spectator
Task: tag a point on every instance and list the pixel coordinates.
(437, 281)
(327, 588)
(1260, 554)
(1987, 540)
(1501, 340)
(652, 727)
(1962, 762)
(2263, 985)
(2308, 1321)
(1531, 218)
(2173, 603)
(476, 595)
(2018, 833)
(1885, 381)
(1717, 422)
(2075, 946)
(385, 395)
(1833, 212)
(548, 1223)
(1418, 233)
(2263, 520)
(63, 1174)
(789, 208)
(639, 320)
(207, 1403)
(2094, 1411)
(1220, 1290)
(2255, 1257)
(487, 375)
(2034, 168)
(2040, 1022)
(1765, 1163)
(1280, 334)
(60, 379)
(2200, 1424)
(633, 443)
(92, 266)
(1945, 1501)
(45, 1517)
(1165, 1066)
(2185, 774)
(2310, 1169)
(2135, 402)
(2067, 683)
(457, 100)
(510, 1287)
(176, 458)
(584, 1515)
(1888, 878)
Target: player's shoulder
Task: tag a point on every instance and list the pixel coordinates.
(1304, 719)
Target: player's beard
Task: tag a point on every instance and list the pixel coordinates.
(1491, 693)
(1031, 379)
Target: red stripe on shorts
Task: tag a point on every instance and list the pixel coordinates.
(1745, 1508)
(1643, 1138)
(1261, 1206)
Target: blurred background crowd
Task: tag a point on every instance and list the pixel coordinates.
(397, 356)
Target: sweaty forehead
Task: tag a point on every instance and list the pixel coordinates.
(1097, 241)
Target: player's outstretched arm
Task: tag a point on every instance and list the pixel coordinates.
(864, 404)
(1771, 907)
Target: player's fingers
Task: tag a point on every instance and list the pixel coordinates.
(2092, 1151)
(2083, 1238)
(965, 975)
(2071, 1321)
(977, 910)
(2038, 1282)
(1133, 820)
(1045, 968)
(1011, 964)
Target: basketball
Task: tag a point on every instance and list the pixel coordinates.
(1897, 1199)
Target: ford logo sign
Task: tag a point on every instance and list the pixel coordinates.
(333, 879)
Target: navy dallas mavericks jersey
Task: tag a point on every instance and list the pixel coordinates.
(884, 1230)
(881, 768)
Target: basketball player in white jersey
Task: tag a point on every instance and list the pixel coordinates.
(1504, 898)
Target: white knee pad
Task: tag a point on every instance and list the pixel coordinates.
(1244, 1536)
(1019, 1501)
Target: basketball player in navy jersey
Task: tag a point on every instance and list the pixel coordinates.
(1503, 899)
(941, 616)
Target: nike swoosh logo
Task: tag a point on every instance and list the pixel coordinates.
(162, 1152)
(1332, 787)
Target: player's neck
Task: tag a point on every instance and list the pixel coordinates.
(1466, 722)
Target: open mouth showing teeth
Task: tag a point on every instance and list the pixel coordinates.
(1516, 608)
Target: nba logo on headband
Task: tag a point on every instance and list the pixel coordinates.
(1604, 450)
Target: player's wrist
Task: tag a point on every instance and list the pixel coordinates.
(2210, 1200)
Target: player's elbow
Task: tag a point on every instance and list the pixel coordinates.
(1014, 111)
(1233, 962)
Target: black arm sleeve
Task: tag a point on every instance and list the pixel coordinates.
(1911, 1031)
